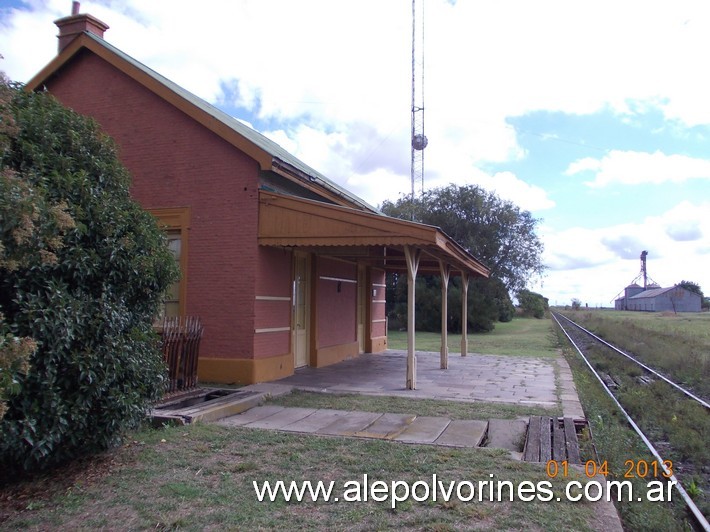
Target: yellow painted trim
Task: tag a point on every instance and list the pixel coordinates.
(272, 330)
(326, 356)
(378, 345)
(244, 370)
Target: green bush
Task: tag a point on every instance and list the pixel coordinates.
(82, 272)
(533, 304)
(488, 302)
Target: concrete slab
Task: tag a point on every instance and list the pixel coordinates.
(316, 421)
(387, 427)
(204, 408)
(350, 424)
(506, 434)
(281, 419)
(423, 429)
(515, 380)
(463, 433)
(256, 413)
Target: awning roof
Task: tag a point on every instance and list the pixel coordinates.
(289, 221)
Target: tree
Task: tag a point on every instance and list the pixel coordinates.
(692, 287)
(533, 304)
(82, 272)
(488, 302)
(576, 304)
(14, 352)
(494, 231)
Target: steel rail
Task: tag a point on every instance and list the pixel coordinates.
(644, 366)
(702, 521)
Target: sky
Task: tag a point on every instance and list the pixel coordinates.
(592, 115)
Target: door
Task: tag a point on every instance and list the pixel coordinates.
(299, 320)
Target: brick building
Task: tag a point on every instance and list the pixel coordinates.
(284, 267)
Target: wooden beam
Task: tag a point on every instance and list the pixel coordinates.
(412, 256)
(464, 313)
(445, 270)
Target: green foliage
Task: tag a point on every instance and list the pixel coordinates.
(533, 304)
(488, 302)
(493, 230)
(576, 304)
(82, 272)
(692, 287)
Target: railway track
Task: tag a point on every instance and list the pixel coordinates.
(619, 373)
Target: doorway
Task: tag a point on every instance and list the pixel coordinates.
(301, 306)
(362, 301)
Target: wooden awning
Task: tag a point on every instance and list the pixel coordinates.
(289, 221)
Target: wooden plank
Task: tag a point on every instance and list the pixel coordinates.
(571, 442)
(532, 443)
(559, 447)
(545, 439)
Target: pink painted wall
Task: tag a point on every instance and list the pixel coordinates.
(336, 311)
(273, 279)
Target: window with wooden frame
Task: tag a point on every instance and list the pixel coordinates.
(175, 223)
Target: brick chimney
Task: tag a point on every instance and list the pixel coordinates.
(74, 25)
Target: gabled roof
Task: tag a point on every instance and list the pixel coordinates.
(351, 224)
(653, 292)
(266, 152)
(289, 221)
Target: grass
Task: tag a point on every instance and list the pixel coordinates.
(520, 337)
(617, 443)
(677, 345)
(200, 478)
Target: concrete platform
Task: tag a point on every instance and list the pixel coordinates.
(387, 427)
(504, 379)
(424, 430)
(507, 434)
(404, 428)
(463, 433)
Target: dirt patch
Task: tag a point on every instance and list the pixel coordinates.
(39, 489)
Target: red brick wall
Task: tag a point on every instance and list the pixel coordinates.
(336, 310)
(273, 280)
(176, 162)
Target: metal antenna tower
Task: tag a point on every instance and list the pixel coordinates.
(419, 140)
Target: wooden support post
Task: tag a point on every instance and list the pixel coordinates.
(464, 314)
(445, 273)
(412, 257)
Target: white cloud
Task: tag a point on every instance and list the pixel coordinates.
(639, 168)
(332, 80)
(508, 186)
(351, 62)
(356, 159)
(595, 264)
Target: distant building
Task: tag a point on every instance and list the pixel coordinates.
(657, 299)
